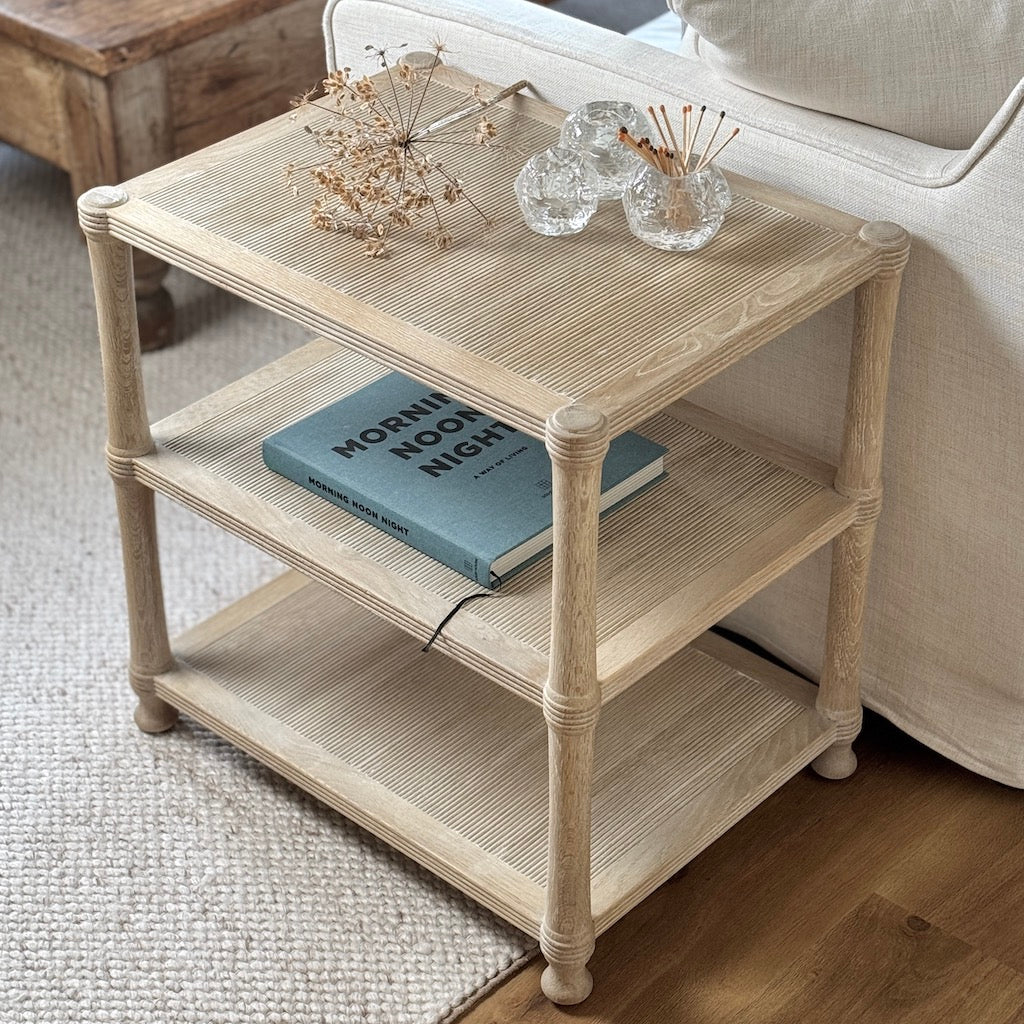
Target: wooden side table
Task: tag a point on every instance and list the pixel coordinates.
(107, 89)
(490, 767)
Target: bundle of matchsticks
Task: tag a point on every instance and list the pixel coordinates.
(670, 158)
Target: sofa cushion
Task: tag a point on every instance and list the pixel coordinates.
(931, 70)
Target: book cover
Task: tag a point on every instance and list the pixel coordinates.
(454, 483)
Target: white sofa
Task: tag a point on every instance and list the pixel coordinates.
(944, 642)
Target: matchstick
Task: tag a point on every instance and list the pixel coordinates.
(628, 139)
(657, 124)
(644, 150)
(700, 162)
(686, 135)
(711, 158)
(650, 152)
(672, 136)
(667, 158)
(696, 132)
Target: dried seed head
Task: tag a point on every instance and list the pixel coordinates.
(485, 130)
(376, 179)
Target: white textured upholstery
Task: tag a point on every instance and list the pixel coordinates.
(944, 653)
(931, 70)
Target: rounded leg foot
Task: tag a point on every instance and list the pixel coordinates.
(155, 715)
(566, 984)
(838, 762)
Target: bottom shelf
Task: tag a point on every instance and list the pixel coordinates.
(452, 770)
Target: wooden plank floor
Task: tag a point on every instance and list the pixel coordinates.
(895, 897)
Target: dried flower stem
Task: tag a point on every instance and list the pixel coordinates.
(378, 175)
(464, 112)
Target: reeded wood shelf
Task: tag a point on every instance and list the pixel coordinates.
(726, 521)
(473, 321)
(453, 771)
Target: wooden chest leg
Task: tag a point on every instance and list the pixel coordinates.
(115, 128)
(153, 302)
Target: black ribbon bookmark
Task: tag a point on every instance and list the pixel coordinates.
(451, 615)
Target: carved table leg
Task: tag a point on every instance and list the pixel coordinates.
(859, 477)
(129, 437)
(577, 439)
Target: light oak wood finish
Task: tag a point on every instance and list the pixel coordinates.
(859, 477)
(735, 512)
(925, 924)
(577, 440)
(128, 437)
(455, 773)
(107, 89)
(445, 319)
(311, 674)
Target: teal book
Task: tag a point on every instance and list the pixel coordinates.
(454, 483)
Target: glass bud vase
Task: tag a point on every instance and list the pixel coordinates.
(593, 131)
(557, 192)
(679, 213)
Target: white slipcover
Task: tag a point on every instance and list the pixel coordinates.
(944, 636)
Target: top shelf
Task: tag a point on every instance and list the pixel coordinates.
(512, 322)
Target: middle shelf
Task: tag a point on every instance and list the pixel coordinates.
(735, 512)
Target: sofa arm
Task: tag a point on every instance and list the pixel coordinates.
(569, 62)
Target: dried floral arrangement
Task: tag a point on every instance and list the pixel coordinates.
(379, 176)
(670, 157)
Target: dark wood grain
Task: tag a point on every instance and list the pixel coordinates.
(103, 36)
(881, 963)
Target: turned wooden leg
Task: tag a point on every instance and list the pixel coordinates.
(577, 439)
(129, 437)
(839, 693)
(147, 626)
(859, 477)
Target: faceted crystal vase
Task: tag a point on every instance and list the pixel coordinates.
(557, 192)
(678, 213)
(593, 131)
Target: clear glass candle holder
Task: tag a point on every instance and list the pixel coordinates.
(721, 186)
(593, 131)
(557, 192)
(680, 213)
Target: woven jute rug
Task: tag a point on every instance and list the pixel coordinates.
(165, 878)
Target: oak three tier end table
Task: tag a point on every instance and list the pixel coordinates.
(580, 736)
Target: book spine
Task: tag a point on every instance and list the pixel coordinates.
(358, 504)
